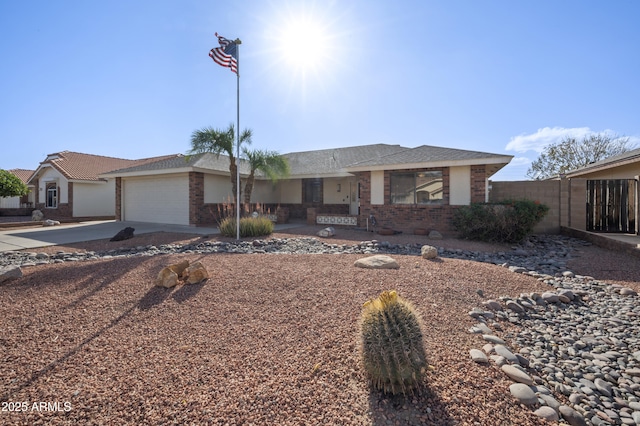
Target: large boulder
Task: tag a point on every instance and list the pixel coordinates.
(8, 273)
(327, 232)
(124, 234)
(429, 252)
(435, 235)
(195, 273)
(167, 278)
(179, 267)
(379, 261)
(37, 216)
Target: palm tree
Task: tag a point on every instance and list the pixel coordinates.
(270, 163)
(217, 142)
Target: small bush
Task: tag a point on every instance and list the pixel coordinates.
(508, 221)
(249, 227)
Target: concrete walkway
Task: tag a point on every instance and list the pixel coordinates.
(21, 239)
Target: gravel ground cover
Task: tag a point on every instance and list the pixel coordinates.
(269, 339)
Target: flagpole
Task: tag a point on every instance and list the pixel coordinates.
(238, 43)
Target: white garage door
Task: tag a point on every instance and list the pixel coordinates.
(161, 199)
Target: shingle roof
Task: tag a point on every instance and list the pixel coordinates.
(333, 160)
(206, 161)
(327, 162)
(78, 166)
(426, 154)
(624, 158)
(22, 174)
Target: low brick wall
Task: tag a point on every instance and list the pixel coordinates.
(16, 212)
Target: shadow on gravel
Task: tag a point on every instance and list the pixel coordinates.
(153, 297)
(187, 291)
(422, 408)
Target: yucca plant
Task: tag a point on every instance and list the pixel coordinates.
(391, 344)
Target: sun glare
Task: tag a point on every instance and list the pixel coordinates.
(305, 47)
(304, 44)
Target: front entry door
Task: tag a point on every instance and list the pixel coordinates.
(354, 198)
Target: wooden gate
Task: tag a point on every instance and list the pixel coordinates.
(611, 205)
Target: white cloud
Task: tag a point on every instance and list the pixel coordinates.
(634, 141)
(545, 136)
(520, 161)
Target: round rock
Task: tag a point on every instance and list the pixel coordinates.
(523, 394)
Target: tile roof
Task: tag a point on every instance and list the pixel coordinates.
(22, 174)
(78, 166)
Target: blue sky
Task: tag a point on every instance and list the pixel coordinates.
(132, 79)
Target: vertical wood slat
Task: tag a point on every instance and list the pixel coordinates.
(609, 206)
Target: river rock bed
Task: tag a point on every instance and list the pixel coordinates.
(542, 253)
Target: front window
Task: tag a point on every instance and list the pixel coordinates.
(416, 187)
(52, 196)
(313, 190)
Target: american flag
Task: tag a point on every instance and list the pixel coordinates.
(225, 55)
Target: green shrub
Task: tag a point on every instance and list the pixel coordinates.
(249, 227)
(391, 344)
(508, 221)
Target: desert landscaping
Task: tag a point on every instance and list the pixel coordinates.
(267, 339)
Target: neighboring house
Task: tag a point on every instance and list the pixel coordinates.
(612, 196)
(399, 187)
(67, 185)
(600, 197)
(15, 205)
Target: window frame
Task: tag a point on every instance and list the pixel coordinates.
(51, 202)
(413, 189)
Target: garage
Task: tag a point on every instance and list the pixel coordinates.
(157, 199)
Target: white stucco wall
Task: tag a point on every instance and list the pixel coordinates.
(264, 191)
(290, 191)
(94, 199)
(377, 187)
(330, 190)
(217, 189)
(52, 175)
(460, 186)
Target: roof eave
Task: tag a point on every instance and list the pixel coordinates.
(171, 171)
(504, 160)
(596, 168)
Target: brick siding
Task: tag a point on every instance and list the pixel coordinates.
(407, 217)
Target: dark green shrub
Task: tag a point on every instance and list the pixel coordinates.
(508, 221)
(391, 344)
(249, 227)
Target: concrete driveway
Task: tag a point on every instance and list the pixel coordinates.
(27, 238)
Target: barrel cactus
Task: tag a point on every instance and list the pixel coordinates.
(391, 344)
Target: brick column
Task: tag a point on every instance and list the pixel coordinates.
(118, 198)
(196, 198)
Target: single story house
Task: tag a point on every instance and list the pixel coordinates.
(398, 187)
(67, 185)
(10, 206)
